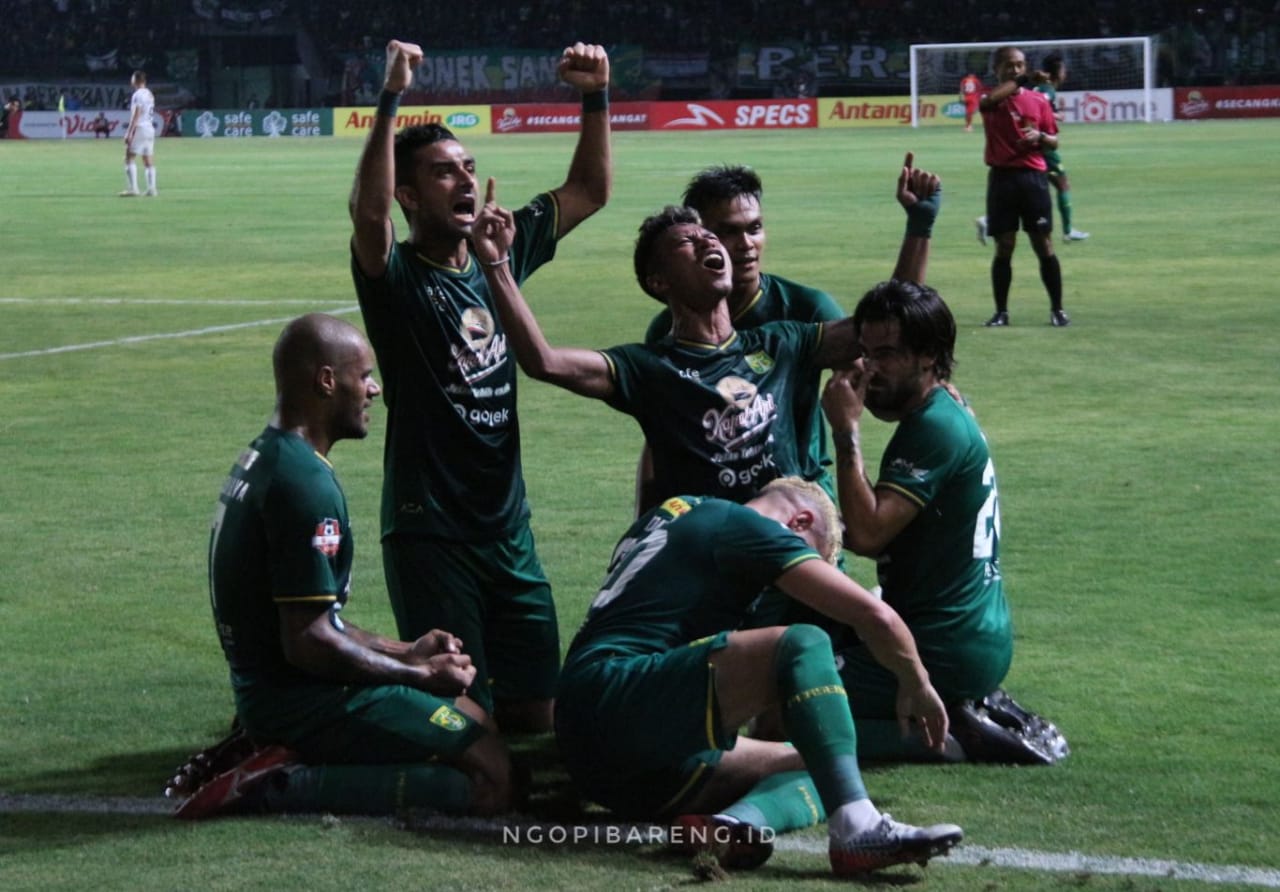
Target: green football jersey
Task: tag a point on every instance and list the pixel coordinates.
(942, 572)
(452, 459)
(687, 569)
(780, 300)
(280, 535)
(719, 418)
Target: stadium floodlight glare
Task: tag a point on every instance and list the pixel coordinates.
(1107, 63)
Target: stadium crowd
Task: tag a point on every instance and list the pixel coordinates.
(70, 38)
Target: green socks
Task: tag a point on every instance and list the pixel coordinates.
(815, 713)
(781, 802)
(369, 789)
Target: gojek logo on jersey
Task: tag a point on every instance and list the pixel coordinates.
(746, 413)
(481, 351)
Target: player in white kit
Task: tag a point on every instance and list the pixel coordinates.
(140, 137)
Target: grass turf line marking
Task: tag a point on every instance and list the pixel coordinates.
(163, 336)
(967, 855)
(1075, 862)
(161, 301)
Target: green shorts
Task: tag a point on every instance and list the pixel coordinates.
(958, 672)
(493, 595)
(641, 735)
(328, 723)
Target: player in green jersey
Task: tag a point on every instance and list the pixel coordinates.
(346, 720)
(1049, 81)
(932, 522)
(714, 403)
(457, 547)
(655, 684)
(728, 199)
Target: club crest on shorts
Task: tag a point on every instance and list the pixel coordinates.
(448, 719)
(328, 537)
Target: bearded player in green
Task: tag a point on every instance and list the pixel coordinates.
(339, 719)
(657, 682)
(932, 522)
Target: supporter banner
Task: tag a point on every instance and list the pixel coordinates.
(564, 117)
(760, 114)
(43, 96)
(276, 122)
(80, 124)
(784, 65)
(241, 14)
(493, 75)
(1196, 103)
(463, 120)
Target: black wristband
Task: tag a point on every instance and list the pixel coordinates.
(388, 104)
(594, 102)
(1022, 80)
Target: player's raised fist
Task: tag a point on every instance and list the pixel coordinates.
(585, 66)
(402, 59)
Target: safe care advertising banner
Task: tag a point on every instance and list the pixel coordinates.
(275, 122)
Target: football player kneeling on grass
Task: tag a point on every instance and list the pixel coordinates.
(932, 523)
(334, 718)
(654, 687)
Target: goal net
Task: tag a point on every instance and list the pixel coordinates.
(1113, 63)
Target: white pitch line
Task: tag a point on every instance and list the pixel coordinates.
(967, 855)
(1075, 862)
(161, 336)
(162, 301)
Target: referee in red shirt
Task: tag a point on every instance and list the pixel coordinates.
(1019, 124)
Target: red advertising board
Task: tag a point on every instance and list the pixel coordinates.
(738, 114)
(1197, 103)
(544, 117)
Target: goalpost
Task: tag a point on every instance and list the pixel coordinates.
(1108, 63)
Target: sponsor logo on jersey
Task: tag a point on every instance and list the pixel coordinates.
(746, 413)
(448, 719)
(677, 506)
(328, 537)
(737, 392)
(482, 351)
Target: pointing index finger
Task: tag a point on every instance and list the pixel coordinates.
(490, 191)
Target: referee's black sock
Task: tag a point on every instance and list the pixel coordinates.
(1001, 279)
(1051, 275)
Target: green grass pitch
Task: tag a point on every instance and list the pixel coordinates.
(1136, 454)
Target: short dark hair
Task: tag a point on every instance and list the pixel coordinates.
(925, 322)
(721, 183)
(998, 52)
(650, 231)
(1052, 64)
(410, 139)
